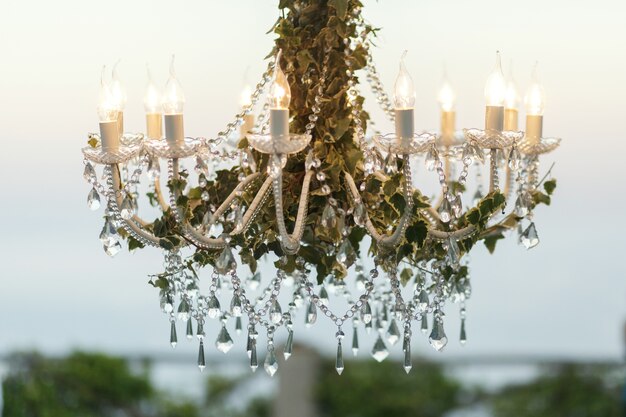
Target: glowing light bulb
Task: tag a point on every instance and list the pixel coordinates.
(404, 90)
(246, 96)
(107, 106)
(152, 99)
(173, 96)
(446, 97)
(117, 89)
(535, 98)
(495, 88)
(511, 96)
(280, 93)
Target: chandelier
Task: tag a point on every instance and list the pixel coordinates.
(309, 183)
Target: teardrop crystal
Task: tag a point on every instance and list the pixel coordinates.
(393, 333)
(154, 168)
(93, 200)
(346, 254)
(108, 235)
(89, 174)
(424, 327)
(463, 338)
(422, 301)
(437, 338)
(311, 315)
(355, 342)
(126, 208)
(329, 217)
(183, 310)
(271, 364)
(529, 237)
(391, 164)
(200, 329)
(379, 351)
(454, 253)
(252, 335)
(359, 214)
(225, 262)
(323, 295)
(173, 337)
(213, 307)
(201, 167)
(289, 345)
(339, 360)
(113, 248)
(276, 313)
(408, 364)
(224, 342)
(201, 361)
(254, 364)
(445, 210)
(189, 332)
(514, 159)
(366, 313)
(235, 306)
(238, 325)
(431, 159)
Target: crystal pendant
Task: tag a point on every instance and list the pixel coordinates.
(329, 218)
(368, 327)
(391, 165)
(355, 342)
(454, 253)
(224, 342)
(422, 301)
(238, 325)
(201, 167)
(479, 155)
(366, 313)
(379, 351)
(271, 364)
(457, 206)
(323, 296)
(445, 209)
(424, 327)
(167, 302)
(431, 159)
(201, 361)
(200, 329)
(359, 214)
(437, 338)
(515, 159)
(529, 237)
(154, 168)
(408, 364)
(213, 307)
(276, 313)
(93, 200)
(189, 332)
(225, 262)
(235, 306)
(254, 363)
(311, 315)
(289, 345)
(521, 206)
(369, 163)
(463, 338)
(183, 310)
(393, 333)
(113, 249)
(89, 174)
(108, 235)
(173, 337)
(339, 360)
(345, 253)
(126, 208)
(252, 335)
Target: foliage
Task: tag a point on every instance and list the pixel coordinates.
(569, 390)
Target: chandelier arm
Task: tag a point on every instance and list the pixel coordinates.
(136, 224)
(291, 242)
(256, 204)
(224, 206)
(159, 195)
(456, 235)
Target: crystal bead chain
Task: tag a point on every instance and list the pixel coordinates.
(319, 93)
(92, 179)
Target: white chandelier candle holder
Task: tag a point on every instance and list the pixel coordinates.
(306, 185)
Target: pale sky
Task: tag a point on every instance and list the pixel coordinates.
(59, 290)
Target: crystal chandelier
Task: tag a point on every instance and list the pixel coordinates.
(306, 185)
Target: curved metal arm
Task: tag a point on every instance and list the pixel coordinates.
(136, 225)
(159, 195)
(291, 242)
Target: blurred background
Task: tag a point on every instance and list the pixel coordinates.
(545, 327)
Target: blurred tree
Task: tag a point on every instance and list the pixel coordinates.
(369, 389)
(568, 391)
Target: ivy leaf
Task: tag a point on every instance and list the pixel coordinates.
(93, 142)
(134, 244)
(549, 186)
(406, 275)
(341, 6)
(539, 198)
(416, 233)
(473, 216)
(160, 282)
(490, 241)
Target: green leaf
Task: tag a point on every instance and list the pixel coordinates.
(341, 6)
(93, 142)
(490, 241)
(549, 186)
(406, 275)
(160, 282)
(417, 233)
(134, 244)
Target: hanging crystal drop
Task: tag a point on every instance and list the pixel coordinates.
(369, 163)
(393, 333)
(183, 310)
(366, 313)
(329, 218)
(379, 351)
(437, 338)
(93, 200)
(479, 155)
(173, 337)
(391, 165)
(289, 345)
(346, 254)
(235, 306)
(445, 209)
(339, 360)
(126, 208)
(271, 364)
(166, 302)
(254, 364)
(225, 262)
(424, 327)
(311, 315)
(463, 338)
(201, 361)
(431, 158)
(355, 341)
(113, 248)
(154, 168)
(200, 329)
(368, 326)
(201, 167)
(224, 342)
(529, 237)
(514, 159)
(89, 174)
(323, 296)
(359, 214)
(454, 253)
(521, 206)
(408, 364)
(422, 301)
(252, 335)
(384, 317)
(189, 332)
(238, 325)
(457, 206)
(213, 307)
(276, 313)
(108, 235)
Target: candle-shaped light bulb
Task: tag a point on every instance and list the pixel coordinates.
(173, 96)
(535, 99)
(495, 88)
(447, 100)
(446, 96)
(511, 102)
(279, 98)
(280, 93)
(173, 103)
(108, 112)
(117, 88)
(404, 90)
(246, 96)
(152, 105)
